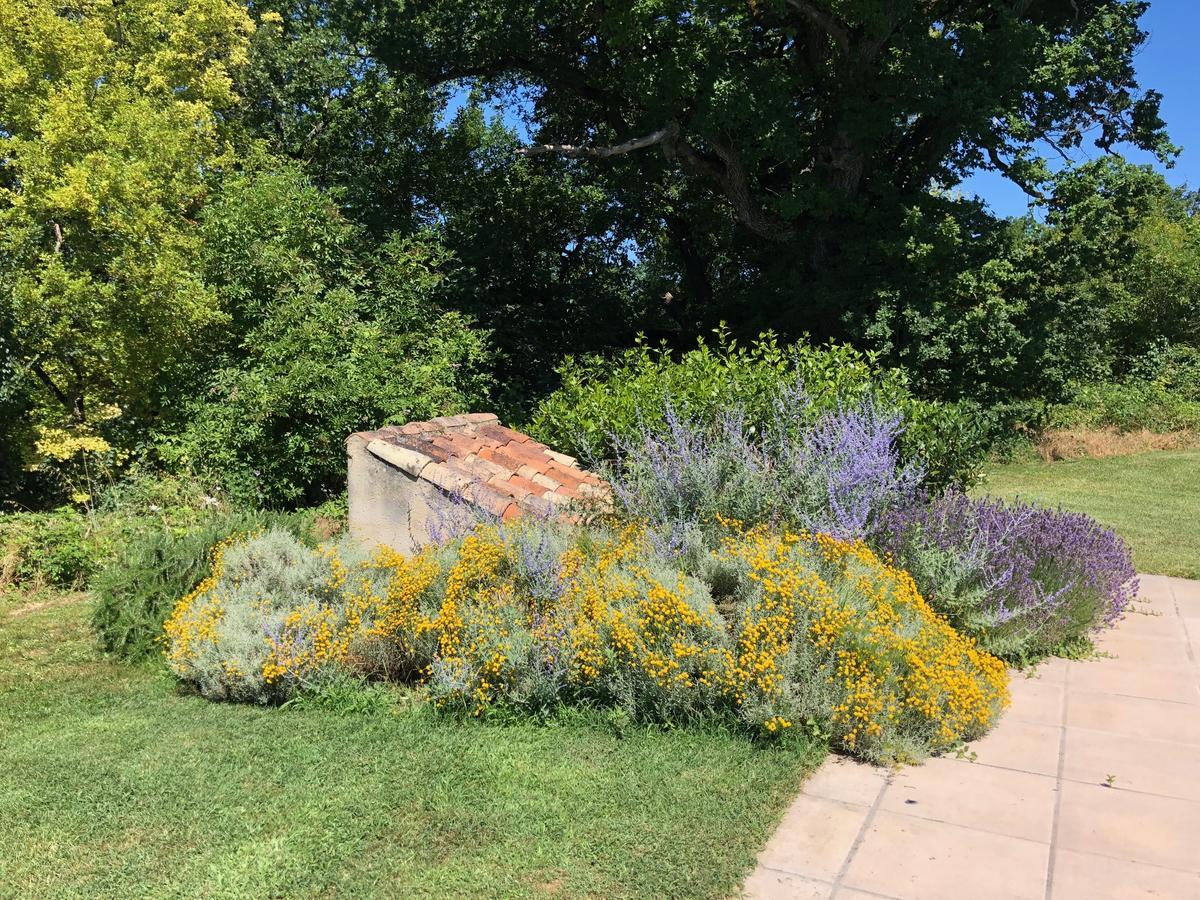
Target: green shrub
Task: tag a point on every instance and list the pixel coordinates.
(1161, 394)
(603, 402)
(58, 549)
(66, 547)
(327, 341)
(158, 563)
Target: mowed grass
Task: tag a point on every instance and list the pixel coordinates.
(1151, 499)
(112, 784)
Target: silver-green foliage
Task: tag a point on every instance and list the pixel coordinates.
(261, 582)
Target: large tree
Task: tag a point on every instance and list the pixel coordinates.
(110, 132)
(818, 124)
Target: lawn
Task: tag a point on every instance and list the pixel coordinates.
(1151, 499)
(114, 784)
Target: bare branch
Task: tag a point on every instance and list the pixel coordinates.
(319, 126)
(729, 174)
(583, 151)
(1008, 173)
(58, 237)
(726, 171)
(54, 389)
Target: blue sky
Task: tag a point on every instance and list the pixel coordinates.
(1167, 63)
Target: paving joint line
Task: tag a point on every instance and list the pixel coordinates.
(1130, 859)
(1137, 697)
(868, 819)
(1058, 783)
(1187, 637)
(1080, 781)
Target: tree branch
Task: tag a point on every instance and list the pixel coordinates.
(726, 171)
(54, 389)
(1007, 171)
(729, 174)
(573, 151)
(824, 21)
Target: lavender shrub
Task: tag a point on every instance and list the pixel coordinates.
(846, 467)
(838, 476)
(1027, 581)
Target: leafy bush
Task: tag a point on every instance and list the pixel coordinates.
(1024, 580)
(771, 633)
(55, 549)
(66, 547)
(1161, 394)
(837, 474)
(603, 404)
(326, 342)
(156, 566)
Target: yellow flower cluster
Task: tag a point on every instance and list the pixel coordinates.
(894, 662)
(819, 628)
(397, 616)
(309, 639)
(192, 625)
(304, 641)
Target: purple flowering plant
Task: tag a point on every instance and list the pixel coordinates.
(1026, 580)
(836, 475)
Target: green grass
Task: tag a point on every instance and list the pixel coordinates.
(114, 784)
(1151, 499)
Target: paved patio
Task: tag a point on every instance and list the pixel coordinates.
(1089, 788)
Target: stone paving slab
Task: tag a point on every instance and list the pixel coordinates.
(1087, 789)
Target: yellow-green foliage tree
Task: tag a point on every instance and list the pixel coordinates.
(109, 132)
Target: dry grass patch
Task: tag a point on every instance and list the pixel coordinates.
(1101, 443)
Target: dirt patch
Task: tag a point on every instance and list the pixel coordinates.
(550, 888)
(1077, 443)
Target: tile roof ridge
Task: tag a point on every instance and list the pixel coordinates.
(494, 467)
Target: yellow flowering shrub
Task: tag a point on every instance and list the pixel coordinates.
(899, 680)
(269, 618)
(572, 622)
(808, 631)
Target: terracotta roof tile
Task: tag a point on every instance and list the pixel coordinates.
(561, 473)
(483, 468)
(445, 477)
(401, 457)
(516, 491)
(548, 483)
(524, 484)
(487, 497)
(502, 458)
(529, 455)
(499, 469)
(501, 435)
(482, 418)
(561, 458)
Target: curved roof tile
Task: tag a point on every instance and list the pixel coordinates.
(496, 468)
